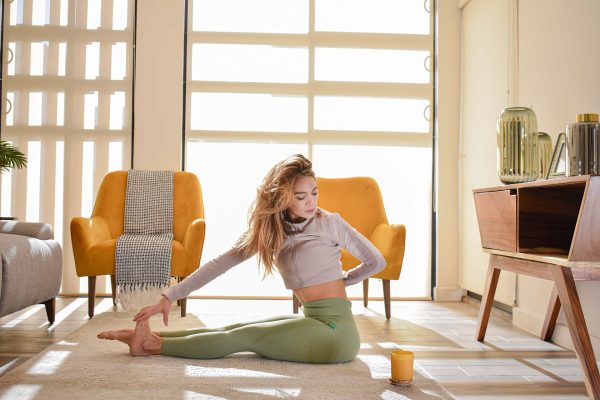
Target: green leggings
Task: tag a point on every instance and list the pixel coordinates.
(326, 334)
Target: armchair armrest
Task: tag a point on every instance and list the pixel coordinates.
(193, 241)
(37, 230)
(86, 232)
(390, 241)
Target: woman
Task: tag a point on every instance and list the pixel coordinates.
(288, 232)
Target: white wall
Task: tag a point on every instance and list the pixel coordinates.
(557, 74)
(485, 92)
(158, 85)
(448, 88)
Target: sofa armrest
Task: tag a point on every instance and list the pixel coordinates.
(86, 232)
(37, 230)
(193, 241)
(390, 240)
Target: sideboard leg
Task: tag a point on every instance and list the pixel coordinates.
(488, 298)
(551, 316)
(567, 292)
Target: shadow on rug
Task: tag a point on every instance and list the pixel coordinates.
(82, 366)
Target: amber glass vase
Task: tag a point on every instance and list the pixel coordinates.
(517, 139)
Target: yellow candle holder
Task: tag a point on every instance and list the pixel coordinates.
(402, 368)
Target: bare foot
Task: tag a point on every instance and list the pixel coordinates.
(144, 342)
(123, 335)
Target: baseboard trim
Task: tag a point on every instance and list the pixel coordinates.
(533, 323)
(562, 338)
(448, 293)
(495, 304)
(496, 312)
(528, 320)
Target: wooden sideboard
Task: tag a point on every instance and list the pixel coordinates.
(551, 230)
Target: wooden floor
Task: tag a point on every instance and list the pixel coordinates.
(510, 364)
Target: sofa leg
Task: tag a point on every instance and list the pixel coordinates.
(113, 287)
(183, 304)
(386, 297)
(50, 309)
(295, 303)
(91, 295)
(366, 292)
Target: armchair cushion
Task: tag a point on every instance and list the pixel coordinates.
(38, 230)
(30, 268)
(390, 240)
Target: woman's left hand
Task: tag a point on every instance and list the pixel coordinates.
(163, 306)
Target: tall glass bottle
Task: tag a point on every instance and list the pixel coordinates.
(583, 146)
(517, 141)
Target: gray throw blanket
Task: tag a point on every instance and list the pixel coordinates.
(143, 254)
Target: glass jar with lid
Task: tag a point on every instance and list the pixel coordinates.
(517, 140)
(583, 146)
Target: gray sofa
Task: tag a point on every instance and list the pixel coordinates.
(30, 267)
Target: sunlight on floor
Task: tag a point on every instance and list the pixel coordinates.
(21, 392)
(8, 365)
(22, 317)
(103, 306)
(389, 395)
(67, 343)
(65, 312)
(194, 370)
(48, 363)
(277, 393)
(388, 345)
(187, 395)
(378, 365)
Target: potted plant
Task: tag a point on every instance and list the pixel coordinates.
(11, 157)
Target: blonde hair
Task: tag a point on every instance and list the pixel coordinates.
(266, 233)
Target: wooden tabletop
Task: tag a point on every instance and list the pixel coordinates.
(544, 182)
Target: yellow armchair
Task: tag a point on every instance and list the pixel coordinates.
(358, 200)
(94, 239)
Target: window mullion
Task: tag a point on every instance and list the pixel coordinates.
(319, 39)
(311, 78)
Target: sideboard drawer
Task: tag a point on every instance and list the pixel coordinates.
(497, 216)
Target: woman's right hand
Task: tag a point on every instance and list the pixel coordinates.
(163, 306)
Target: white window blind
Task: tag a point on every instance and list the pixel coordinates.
(346, 82)
(67, 79)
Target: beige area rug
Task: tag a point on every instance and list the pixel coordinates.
(83, 367)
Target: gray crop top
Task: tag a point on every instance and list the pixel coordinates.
(310, 256)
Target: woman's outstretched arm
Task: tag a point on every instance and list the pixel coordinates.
(196, 280)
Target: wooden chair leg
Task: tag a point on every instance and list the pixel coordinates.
(50, 309)
(113, 287)
(296, 304)
(366, 292)
(551, 316)
(567, 292)
(386, 298)
(91, 295)
(183, 304)
(179, 279)
(491, 282)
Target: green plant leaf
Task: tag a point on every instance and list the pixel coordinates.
(11, 157)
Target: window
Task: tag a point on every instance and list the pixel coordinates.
(345, 82)
(67, 91)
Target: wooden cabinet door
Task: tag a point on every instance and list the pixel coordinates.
(497, 216)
